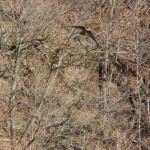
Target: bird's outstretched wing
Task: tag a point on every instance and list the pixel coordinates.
(79, 27)
(92, 37)
(88, 32)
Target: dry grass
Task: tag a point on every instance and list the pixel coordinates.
(60, 91)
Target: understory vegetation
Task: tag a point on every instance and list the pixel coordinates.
(59, 90)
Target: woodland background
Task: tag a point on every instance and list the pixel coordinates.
(59, 91)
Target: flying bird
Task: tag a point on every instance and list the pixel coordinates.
(85, 30)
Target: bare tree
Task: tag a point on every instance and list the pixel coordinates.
(59, 90)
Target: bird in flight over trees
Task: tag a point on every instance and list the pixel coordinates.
(85, 30)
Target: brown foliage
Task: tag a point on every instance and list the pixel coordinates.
(59, 90)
